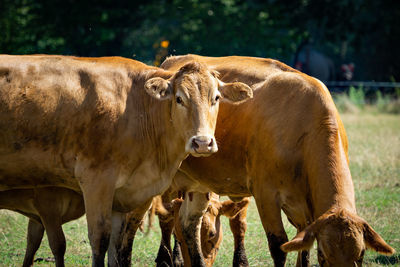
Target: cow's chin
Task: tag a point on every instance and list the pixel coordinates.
(198, 155)
(193, 152)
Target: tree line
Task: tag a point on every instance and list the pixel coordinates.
(365, 32)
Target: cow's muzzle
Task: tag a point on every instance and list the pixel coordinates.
(202, 146)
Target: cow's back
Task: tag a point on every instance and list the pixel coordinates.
(249, 70)
(53, 106)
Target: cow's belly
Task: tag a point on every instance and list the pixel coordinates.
(228, 186)
(222, 179)
(36, 168)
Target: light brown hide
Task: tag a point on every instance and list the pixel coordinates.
(287, 147)
(211, 227)
(110, 128)
(47, 209)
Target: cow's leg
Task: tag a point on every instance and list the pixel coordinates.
(190, 216)
(118, 226)
(177, 257)
(303, 258)
(238, 226)
(51, 213)
(270, 214)
(56, 237)
(34, 238)
(98, 193)
(164, 255)
(124, 227)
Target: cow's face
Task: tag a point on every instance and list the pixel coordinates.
(211, 227)
(340, 243)
(195, 93)
(211, 232)
(342, 239)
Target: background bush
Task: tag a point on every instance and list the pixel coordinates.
(365, 32)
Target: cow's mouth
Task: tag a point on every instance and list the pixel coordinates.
(201, 146)
(197, 154)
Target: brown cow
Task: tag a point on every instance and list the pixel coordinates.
(112, 128)
(287, 147)
(211, 228)
(47, 208)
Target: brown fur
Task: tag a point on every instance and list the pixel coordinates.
(211, 228)
(191, 216)
(93, 125)
(238, 225)
(287, 147)
(47, 208)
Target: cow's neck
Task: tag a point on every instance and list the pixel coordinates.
(149, 145)
(155, 130)
(332, 188)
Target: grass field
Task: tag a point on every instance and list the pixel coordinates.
(375, 164)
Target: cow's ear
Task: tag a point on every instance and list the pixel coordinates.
(302, 241)
(158, 88)
(176, 205)
(231, 209)
(374, 241)
(235, 92)
(305, 239)
(159, 208)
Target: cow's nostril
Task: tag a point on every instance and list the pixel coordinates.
(211, 143)
(194, 144)
(211, 234)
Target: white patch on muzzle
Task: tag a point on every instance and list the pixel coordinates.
(201, 146)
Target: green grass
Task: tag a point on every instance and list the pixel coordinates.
(375, 164)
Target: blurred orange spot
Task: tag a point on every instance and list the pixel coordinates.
(165, 44)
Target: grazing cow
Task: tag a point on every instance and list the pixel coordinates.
(112, 128)
(47, 208)
(287, 147)
(211, 229)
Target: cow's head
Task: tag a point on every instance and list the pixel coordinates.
(347, 71)
(211, 227)
(342, 239)
(195, 92)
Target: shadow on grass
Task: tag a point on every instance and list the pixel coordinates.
(388, 260)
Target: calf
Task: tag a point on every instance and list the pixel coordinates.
(47, 209)
(211, 229)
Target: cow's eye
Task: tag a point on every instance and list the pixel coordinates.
(179, 100)
(216, 99)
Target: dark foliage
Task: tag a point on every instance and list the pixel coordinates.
(366, 32)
